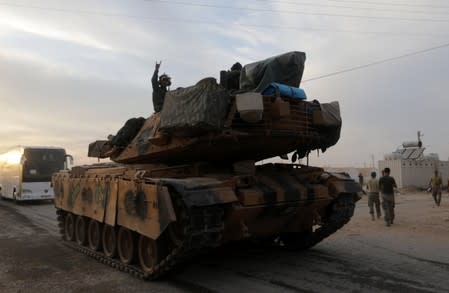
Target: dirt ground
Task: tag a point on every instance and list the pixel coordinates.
(364, 256)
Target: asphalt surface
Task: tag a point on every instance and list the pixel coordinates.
(365, 256)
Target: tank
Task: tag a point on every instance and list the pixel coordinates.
(189, 178)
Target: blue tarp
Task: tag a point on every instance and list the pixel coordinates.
(284, 90)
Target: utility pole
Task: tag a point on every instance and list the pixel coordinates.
(372, 161)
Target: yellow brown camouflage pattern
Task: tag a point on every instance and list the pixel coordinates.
(274, 135)
(168, 197)
(277, 198)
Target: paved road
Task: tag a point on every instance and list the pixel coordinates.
(365, 256)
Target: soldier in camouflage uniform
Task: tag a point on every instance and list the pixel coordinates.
(373, 195)
(387, 185)
(159, 88)
(436, 184)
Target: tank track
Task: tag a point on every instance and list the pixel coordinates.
(342, 211)
(204, 227)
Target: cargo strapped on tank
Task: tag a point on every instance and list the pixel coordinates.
(284, 91)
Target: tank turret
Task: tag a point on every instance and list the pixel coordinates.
(208, 122)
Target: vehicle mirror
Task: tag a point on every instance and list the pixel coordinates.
(69, 161)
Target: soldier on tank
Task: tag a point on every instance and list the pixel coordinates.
(373, 195)
(387, 184)
(436, 184)
(159, 88)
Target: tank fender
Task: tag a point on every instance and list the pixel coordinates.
(202, 191)
(144, 207)
(341, 183)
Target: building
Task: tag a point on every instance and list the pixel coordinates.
(410, 167)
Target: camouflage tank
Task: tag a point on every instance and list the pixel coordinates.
(187, 180)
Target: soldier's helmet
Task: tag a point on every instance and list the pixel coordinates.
(165, 78)
(373, 174)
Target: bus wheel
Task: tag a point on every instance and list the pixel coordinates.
(69, 227)
(81, 230)
(94, 235)
(126, 245)
(109, 241)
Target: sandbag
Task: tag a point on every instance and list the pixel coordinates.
(328, 117)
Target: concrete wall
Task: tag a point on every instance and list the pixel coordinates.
(415, 173)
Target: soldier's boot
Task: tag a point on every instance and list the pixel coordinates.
(372, 217)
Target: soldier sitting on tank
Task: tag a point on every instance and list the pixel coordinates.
(231, 79)
(124, 136)
(159, 88)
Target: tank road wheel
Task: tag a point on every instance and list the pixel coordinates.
(94, 235)
(149, 253)
(81, 230)
(69, 227)
(126, 245)
(109, 241)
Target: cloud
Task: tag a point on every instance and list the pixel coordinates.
(17, 23)
(72, 76)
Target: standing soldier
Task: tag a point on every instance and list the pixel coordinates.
(436, 182)
(387, 185)
(361, 179)
(159, 88)
(373, 195)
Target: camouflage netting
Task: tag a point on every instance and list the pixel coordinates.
(285, 69)
(202, 107)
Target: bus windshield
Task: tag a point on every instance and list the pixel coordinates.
(40, 164)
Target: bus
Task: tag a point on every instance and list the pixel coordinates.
(25, 172)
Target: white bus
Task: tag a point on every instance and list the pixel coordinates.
(25, 172)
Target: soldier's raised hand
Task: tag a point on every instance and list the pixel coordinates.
(158, 65)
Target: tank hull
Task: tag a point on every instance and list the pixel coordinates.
(186, 209)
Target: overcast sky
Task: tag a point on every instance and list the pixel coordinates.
(72, 72)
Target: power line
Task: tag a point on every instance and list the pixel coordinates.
(171, 19)
(298, 3)
(376, 62)
(391, 4)
(300, 12)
